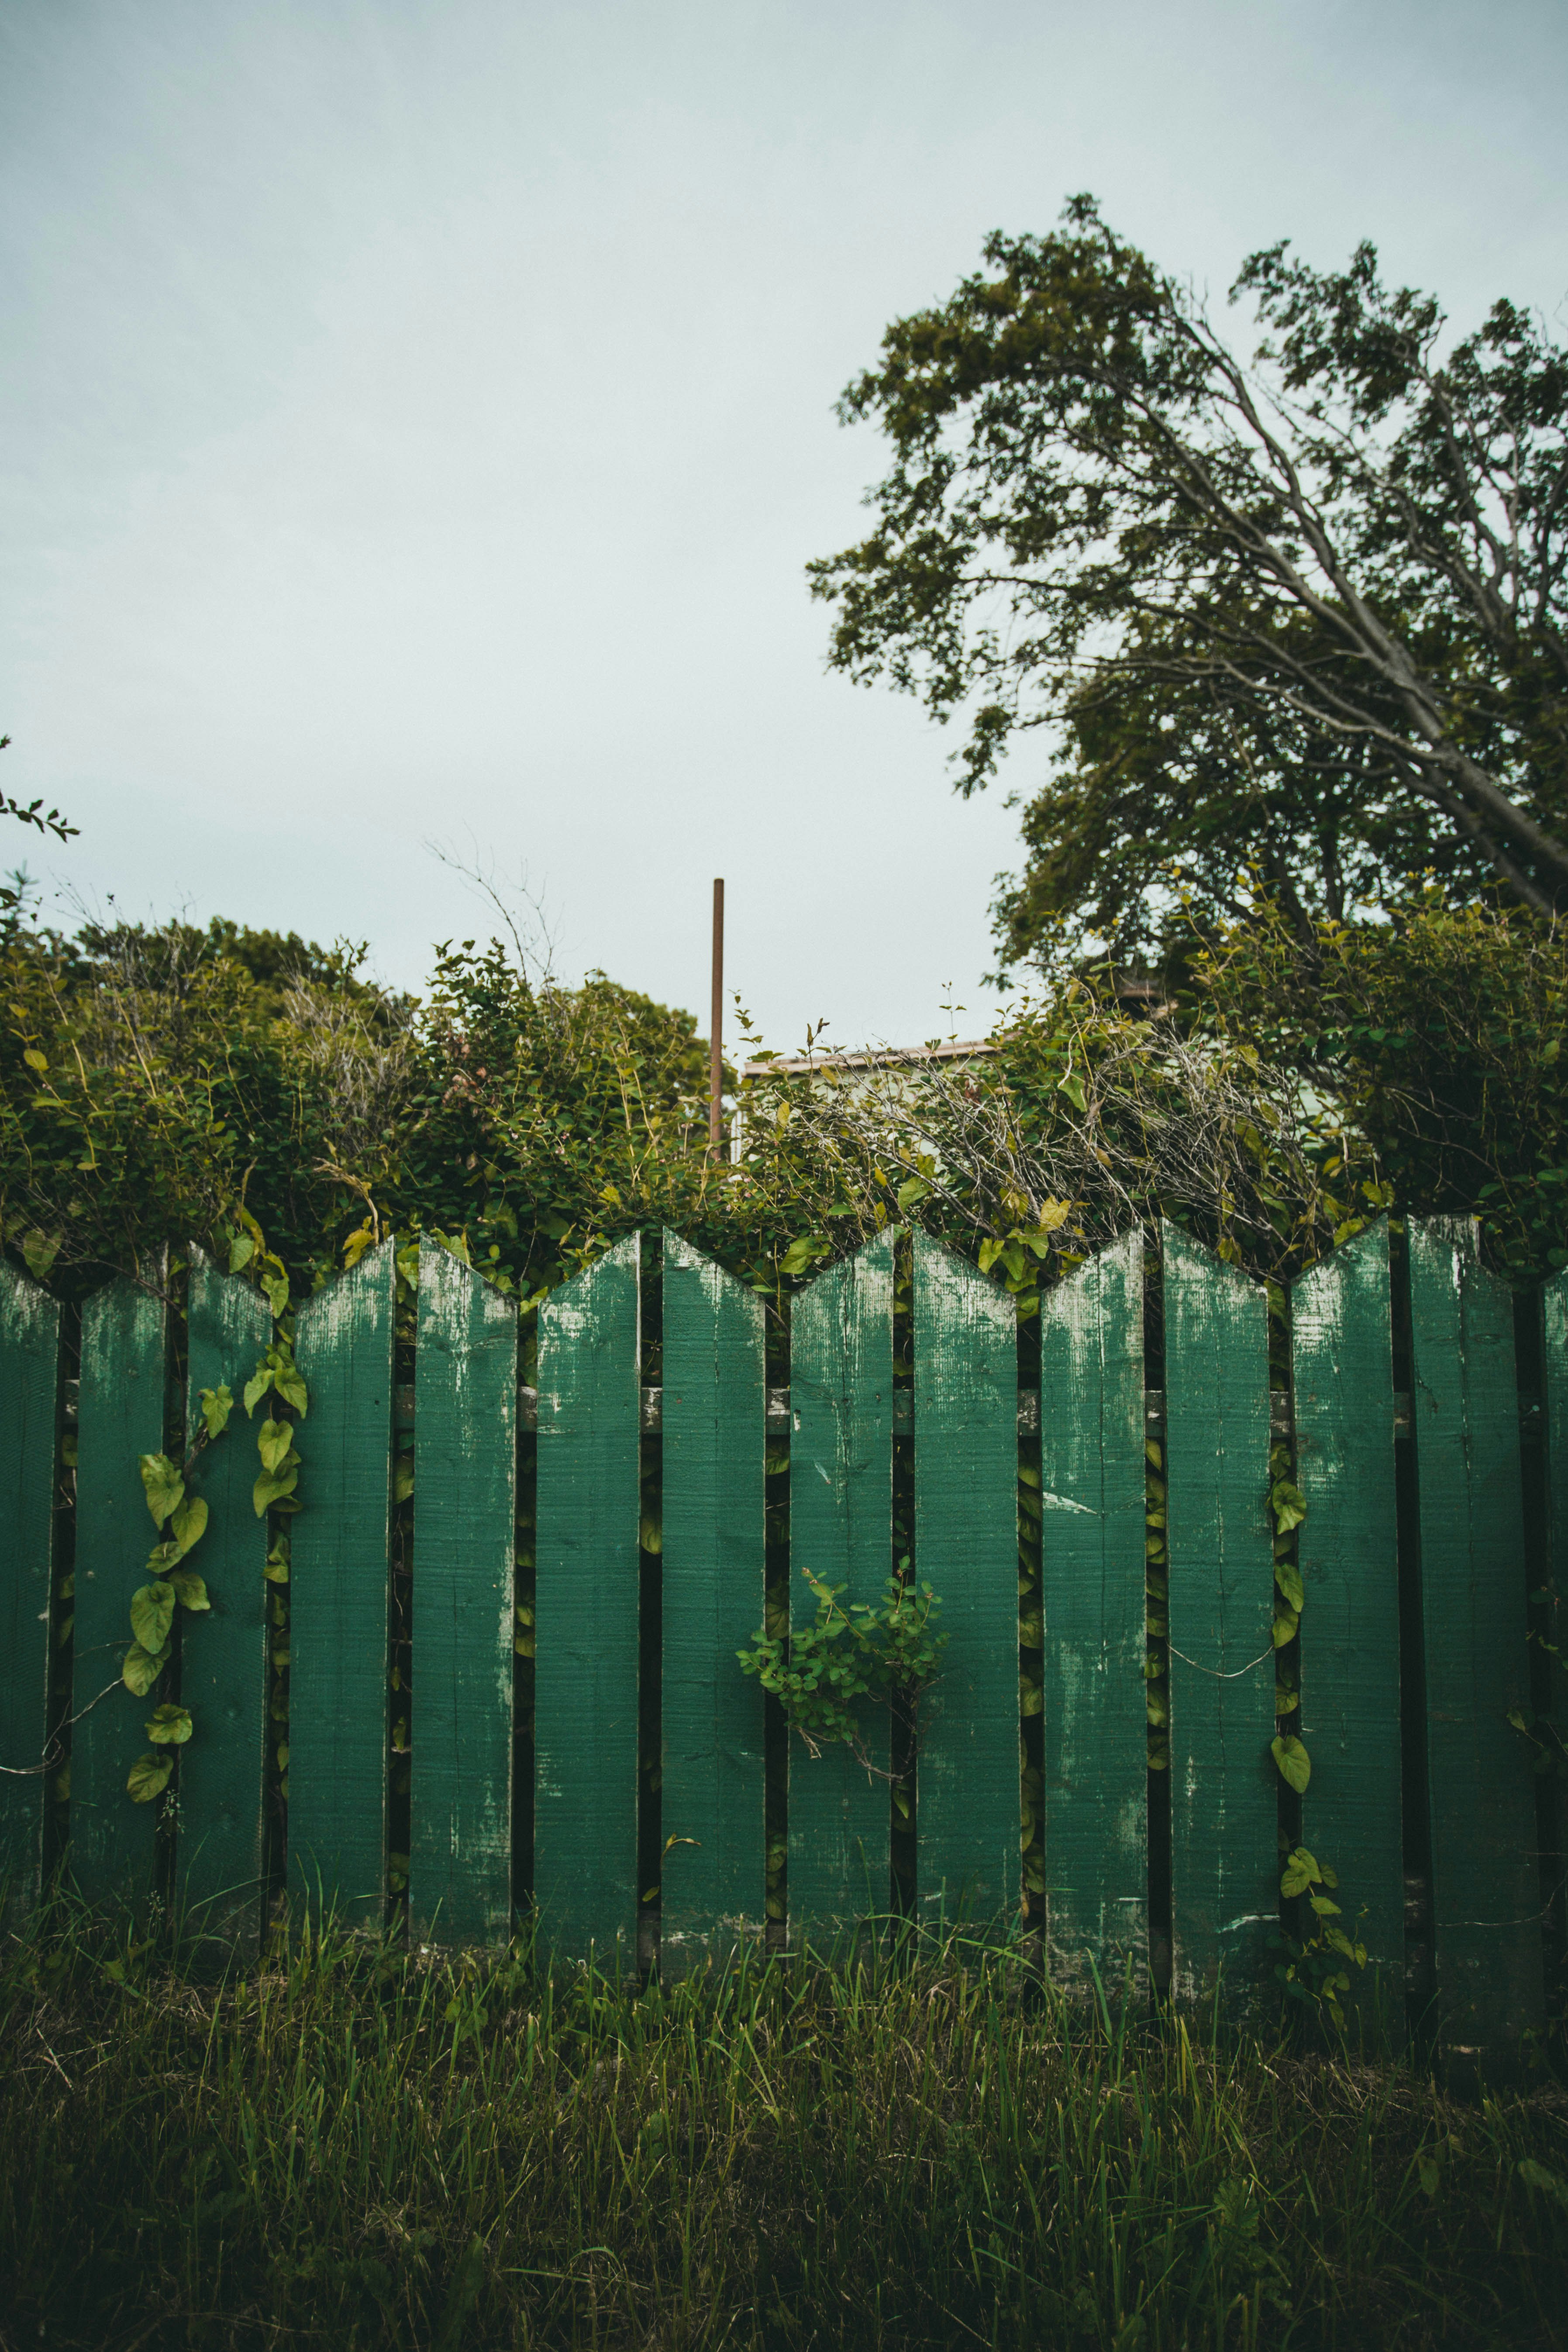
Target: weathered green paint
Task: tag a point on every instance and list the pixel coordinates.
(30, 1420)
(1342, 1375)
(714, 1430)
(587, 1613)
(464, 1499)
(841, 1504)
(1486, 1890)
(1224, 1861)
(338, 1597)
(1096, 1796)
(966, 1549)
(224, 1669)
(120, 1417)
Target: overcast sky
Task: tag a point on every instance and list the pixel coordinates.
(415, 416)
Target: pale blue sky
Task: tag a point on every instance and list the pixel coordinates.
(415, 415)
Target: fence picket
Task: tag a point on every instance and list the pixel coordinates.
(713, 1407)
(1225, 1864)
(224, 1655)
(340, 1591)
(1554, 1436)
(1486, 1890)
(966, 1549)
(841, 1504)
(1342, 1369)
(120, 1417)
(586, 1612)
(1096, 1800)
(465, 1501)
(29, 1420)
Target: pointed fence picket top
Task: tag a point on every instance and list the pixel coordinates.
(1224, 1861)
(464, 1504)
(1095, 1800)
(1486, 1885)
(224, 1652)
(1348, 1549)
(587, 1613)
(966, 1549)
(29, 1441)
(841, 1504)
(712, 1796)
(339, 1583)
(119, 1418)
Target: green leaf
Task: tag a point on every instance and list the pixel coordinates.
(256, 1386)
(1548, 2184)
(403, 1478)
(241, 1250)
(273, 1439)
(170, 1725)
(1288, 1577)
(163, 1485)
(802, 1252)
(1325, 1906)
(1295, 1764)
(142, 1668)
(40, 1250)
(217, 1405)
(190, 1589)
(276, 1569)
(1289, 1506)
(188, 1523)
(148, 1778)
(912, 1188)
(1072, 1086)
(650, 1532)
(1284, 1627)
(152, 1613)
(289, 1382)
(1301, 1871)
(276, 1288)
(272, 1486)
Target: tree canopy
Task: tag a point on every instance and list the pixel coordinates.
(1304, 614)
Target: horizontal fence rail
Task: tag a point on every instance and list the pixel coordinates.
(514, 1606)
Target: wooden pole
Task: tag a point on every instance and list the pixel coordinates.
(716, 1029)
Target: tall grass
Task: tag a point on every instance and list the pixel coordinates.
(348, 2148)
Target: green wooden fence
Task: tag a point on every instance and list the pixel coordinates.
(1418, 1456)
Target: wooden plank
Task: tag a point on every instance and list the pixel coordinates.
(119, 1418)
(1343, 1367)
(968, 1858)
(465, 1500)
(1553, 1329)
(224, 1654)
(841, 1504)
(714, 1582)
(586, 1610)
(339, 1597)
(1096, 1779)
(29, 1423)
(1225, 1860)
(1486, 1889)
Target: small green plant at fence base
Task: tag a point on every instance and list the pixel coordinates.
(820, 1671)
(1313, 1970)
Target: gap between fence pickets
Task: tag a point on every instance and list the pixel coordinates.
(778, 1416)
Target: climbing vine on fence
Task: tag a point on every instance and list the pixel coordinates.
(180, 1517)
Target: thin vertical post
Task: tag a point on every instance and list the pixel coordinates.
(716, 1027)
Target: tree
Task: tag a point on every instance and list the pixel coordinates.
(1307, 615)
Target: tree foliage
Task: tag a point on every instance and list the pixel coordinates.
(1307, 613)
